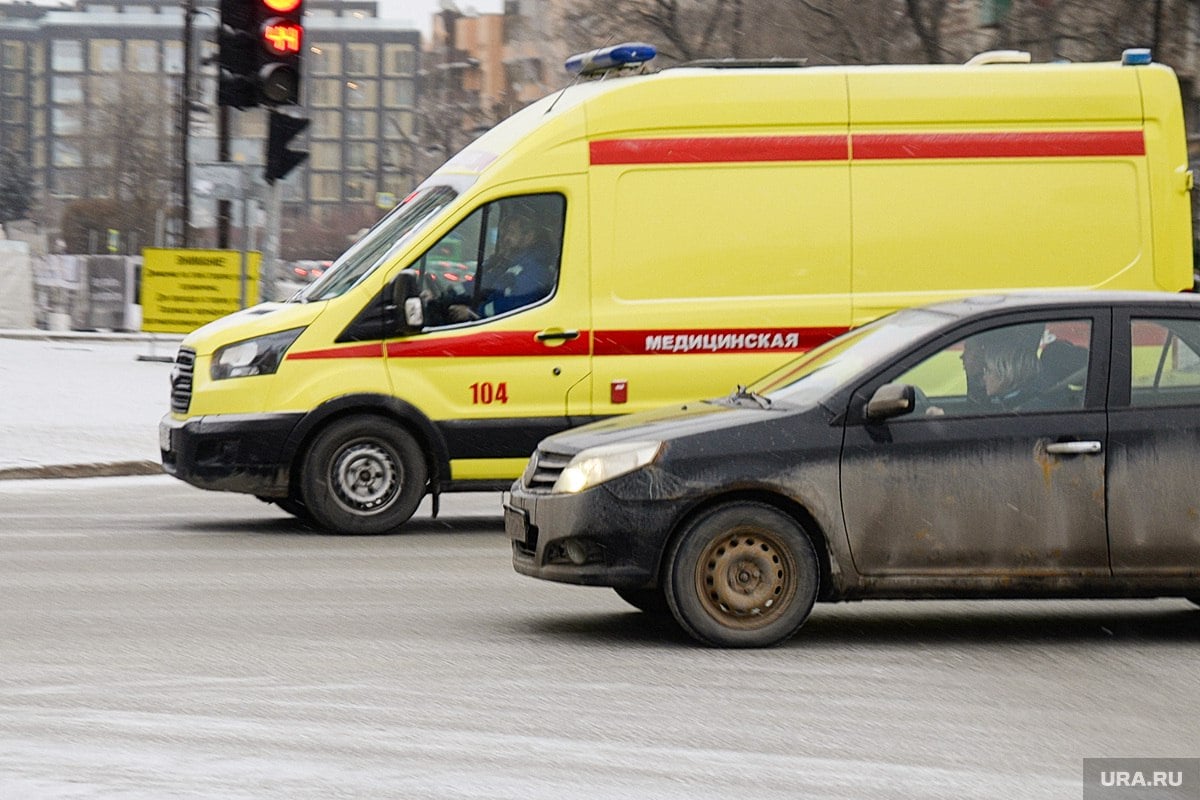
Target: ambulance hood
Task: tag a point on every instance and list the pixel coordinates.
(250, 322)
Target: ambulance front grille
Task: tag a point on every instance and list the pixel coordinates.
(181, 380)
(546, 469)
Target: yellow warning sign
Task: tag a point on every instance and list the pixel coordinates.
(184, 289)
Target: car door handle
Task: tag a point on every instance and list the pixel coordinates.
(556, 336)
(1073, 448)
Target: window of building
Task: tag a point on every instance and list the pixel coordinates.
(173, 58)
(325, 186)
(325, 92)
(12, 55)
(66, 90)
(361, 155)
(399, 59)
(13, 113)
(67, 154)
(325, 155)
(141, 56)
(105, 55)
(362, 59)
(360, 187)
(398, 124)
(13, 84)
(17, 139)
(362, 94)
(362, 124)
(66, 182)
(396, 155)
(325, 59)
(103, 90)
(326, 124)
(66, 121)
(66, 55)
(397, 93)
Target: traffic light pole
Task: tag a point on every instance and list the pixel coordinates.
(223, 207)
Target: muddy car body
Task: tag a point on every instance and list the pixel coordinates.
(877, 467)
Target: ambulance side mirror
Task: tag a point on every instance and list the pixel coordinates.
(406, 299)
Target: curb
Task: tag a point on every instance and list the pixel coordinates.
(110, 469)
(94, 336)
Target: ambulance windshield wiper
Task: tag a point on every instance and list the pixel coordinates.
(742, 394)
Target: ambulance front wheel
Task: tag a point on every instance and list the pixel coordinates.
(363, 475)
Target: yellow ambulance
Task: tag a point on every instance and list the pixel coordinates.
(659, 236)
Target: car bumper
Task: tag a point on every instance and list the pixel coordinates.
(594, 538)
(231, 453)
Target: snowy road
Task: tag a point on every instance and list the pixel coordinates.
(161, 642)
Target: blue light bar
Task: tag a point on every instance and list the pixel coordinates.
(619, 55)
(1136, 57)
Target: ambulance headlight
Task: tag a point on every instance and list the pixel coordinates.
(258, 356)
(596, 465)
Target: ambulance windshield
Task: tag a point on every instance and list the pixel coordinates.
(374, 248)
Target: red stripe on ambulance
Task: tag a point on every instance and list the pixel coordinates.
(868, 146)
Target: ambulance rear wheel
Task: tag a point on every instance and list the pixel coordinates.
(362, 476)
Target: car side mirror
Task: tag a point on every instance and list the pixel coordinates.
(406, 297)
(891, 400)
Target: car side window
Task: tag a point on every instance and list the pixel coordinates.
(1039, 366)
(1165, 362)
(502, 258)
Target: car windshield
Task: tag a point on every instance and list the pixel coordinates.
(374, 248)
(825, 369)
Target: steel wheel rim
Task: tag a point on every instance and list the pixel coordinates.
(366, 477)
(746, 578)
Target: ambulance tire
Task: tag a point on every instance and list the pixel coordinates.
(743, 574)
(363, 475)
(294, 507)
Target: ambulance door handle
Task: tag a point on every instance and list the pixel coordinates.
(556, 335)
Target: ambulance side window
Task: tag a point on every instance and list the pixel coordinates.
(502, 258)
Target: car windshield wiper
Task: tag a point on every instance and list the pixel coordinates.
(741, 394)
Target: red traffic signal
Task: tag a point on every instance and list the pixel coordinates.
(282, 37)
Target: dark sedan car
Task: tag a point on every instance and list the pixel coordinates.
(1036, 445)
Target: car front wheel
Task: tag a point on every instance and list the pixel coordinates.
(742, 575)
(363, 475)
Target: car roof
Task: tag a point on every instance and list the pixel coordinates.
(1033, 300)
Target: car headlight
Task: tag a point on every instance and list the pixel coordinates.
(258, 356)
(596, 465)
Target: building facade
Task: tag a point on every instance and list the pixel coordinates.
(92, 99)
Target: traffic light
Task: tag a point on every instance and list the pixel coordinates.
(281, 40)
(260, 43)
(280, 159)
(237, 45)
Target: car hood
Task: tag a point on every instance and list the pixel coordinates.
(672, 422)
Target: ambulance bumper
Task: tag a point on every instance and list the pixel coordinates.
(231, 453)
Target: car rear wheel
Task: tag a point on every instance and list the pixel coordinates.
(363, 475)
(651, 601)
(742, 575)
